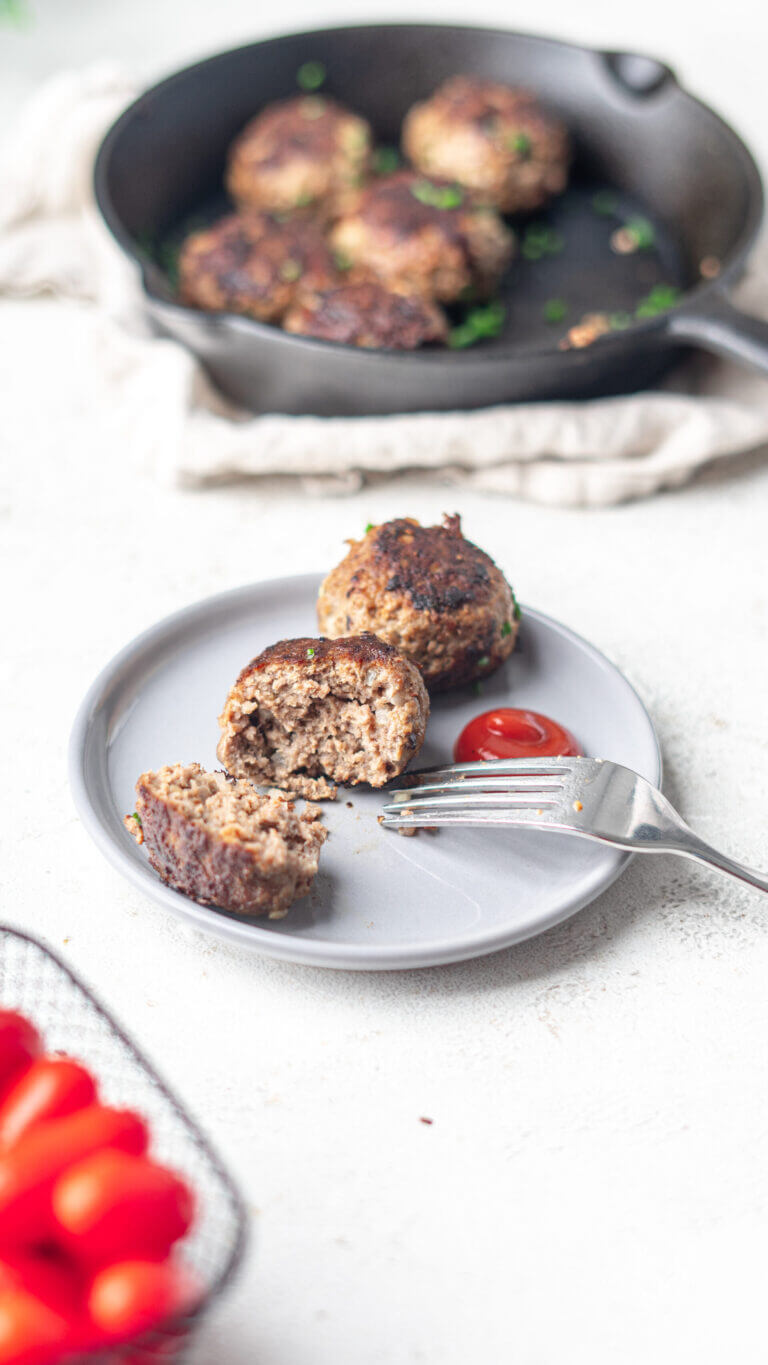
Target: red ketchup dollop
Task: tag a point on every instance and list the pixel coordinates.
(509, 733)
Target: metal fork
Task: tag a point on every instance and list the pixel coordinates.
(589, 797)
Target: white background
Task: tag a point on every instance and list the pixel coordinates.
(593, 1187)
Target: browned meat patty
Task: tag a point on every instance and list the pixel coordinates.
(297, 152)
(429, 592)
(308, 713)
(498, 142)
(223, 843)
(424, 237)
(253, 264)
(368, 315)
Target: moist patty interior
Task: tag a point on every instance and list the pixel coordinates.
(337, 729)
(229, 807)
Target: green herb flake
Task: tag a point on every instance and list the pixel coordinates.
(304, 201)
(661, 298)
(385, 160)
(520, 143)
(290, 270)
(310, 653)
(506, 629)
(343, 261)
(516, 612)
(484, 662)
(477, 688)
(437, 196)
(605, 203)
(555, 310)
(370, 527)
(479, 323)
(310, 75)
(620, 321)
(135, 816)
(541, 240)
(642, 232)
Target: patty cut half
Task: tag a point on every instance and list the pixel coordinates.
(430, 593)
(223, 843)
(306, 714)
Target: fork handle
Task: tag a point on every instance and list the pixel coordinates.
(691, 846)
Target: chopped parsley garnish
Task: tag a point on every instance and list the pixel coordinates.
(343, 261)
(555, 310)
(605, 203)
(661, 297)
(310, 653)
(516, 612)
(642, 232)
(310, 75)
(506, 629)
(304, 201)
(541, 240)
(370, 526)
(484, 662)
(135, 816)
(290, 270)
(477, 688)
(520, 143)
(385, 160)
(479, 323)
(437, 196)
(620, 321)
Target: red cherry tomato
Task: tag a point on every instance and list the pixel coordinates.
(131, 1296)
(50, 1088)
(47, 1276)
(19, 1043)
(30, 1169)
(113, 1206)
(31, 1333)
(509, 733)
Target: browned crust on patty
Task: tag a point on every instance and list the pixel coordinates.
(308, 713)
(299, 151)
(222, 843)
(498, 141)
(428, 591)
(420, 248)
(368, 315)
(250, 263)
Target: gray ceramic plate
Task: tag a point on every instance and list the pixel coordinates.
(379, 901)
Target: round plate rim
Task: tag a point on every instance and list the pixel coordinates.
(108, 835)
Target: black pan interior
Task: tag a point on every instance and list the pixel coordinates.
(632, 125)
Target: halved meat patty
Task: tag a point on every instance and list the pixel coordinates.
(223, 843)
(429, 592)
(308, 713)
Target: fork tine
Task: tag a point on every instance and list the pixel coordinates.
(477, 801)
(553, 767)
(466, 789)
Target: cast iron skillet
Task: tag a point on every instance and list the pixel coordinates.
(664, 153)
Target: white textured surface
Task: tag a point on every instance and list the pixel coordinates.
(594, 1185)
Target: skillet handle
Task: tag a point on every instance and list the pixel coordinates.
(717, 326)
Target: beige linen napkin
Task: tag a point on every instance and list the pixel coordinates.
(597, 452)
